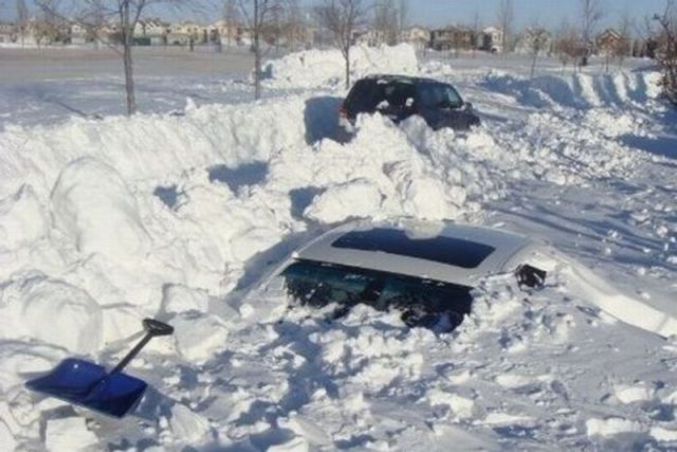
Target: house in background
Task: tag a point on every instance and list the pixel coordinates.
(534, 38)
(8, 33)
(228, 33)
(418, 37)
(491, 40)
(78, 35)
(608, 42)
(371, 38)
(453, 37)
(153, 31)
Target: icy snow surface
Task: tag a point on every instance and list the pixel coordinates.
(179, 216)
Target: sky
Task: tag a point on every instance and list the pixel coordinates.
(434, 13)
(547, 12)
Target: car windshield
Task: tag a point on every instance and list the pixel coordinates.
(438, 95)
(423, 302)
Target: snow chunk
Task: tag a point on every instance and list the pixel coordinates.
(22, 219)
(633, 393)
(199, 337)
(6, 437)
(177, 298)
(187, 425)
(611, 426)
(663, 434)
(93, 207)
(306, 428)
(357, 198)
(69, 434)
(52, 311)
(461, 406)
(296, 444)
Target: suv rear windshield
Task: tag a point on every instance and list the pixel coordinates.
(423, 302)
(445, 250)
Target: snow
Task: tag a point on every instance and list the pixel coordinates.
(182, 215)
(68, 434)
(318, 68)
(93, 208)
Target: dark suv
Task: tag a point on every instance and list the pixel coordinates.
(400, 97)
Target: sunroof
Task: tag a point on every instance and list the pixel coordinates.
(446, 250)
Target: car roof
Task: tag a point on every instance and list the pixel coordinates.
(448, 252)
(402, 78)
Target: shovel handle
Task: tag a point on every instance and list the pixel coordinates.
(153, 328)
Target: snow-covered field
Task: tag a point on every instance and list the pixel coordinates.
(179, 212)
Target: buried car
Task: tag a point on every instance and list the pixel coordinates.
(425, 271)
(398, 97)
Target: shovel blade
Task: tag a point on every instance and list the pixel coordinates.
(87, 384)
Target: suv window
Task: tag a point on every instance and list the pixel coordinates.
(423, 302)
(439, 95)
(367, 94)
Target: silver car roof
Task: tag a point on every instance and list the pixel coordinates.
(509, 250)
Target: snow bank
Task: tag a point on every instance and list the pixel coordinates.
(577, 90)
(320, 68)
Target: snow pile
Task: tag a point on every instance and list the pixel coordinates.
(577, 90)
(319, 68)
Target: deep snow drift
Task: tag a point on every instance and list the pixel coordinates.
(178, 216)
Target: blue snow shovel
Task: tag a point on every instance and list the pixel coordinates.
(87, 384)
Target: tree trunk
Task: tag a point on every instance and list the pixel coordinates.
(257, 52)
(346, 54)
(127, 60)
(533, 64)
(257, 69)
(129, 80)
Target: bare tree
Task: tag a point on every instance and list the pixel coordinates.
(342, 18)
(666, 55)
(402, 17)
(257, 14)
(537, 39)
(231, 19)
(591, 13)
(623, 47)
(386, 21)
(22, 18)
(49, 28)
(476, 26)
(506, 17)
(294, 24)
(568, 46)
(125, 13)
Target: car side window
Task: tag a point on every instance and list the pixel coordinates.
(398, 94)
(438, 95)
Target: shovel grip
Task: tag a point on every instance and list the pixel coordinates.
(153, 328)
(157, 328)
